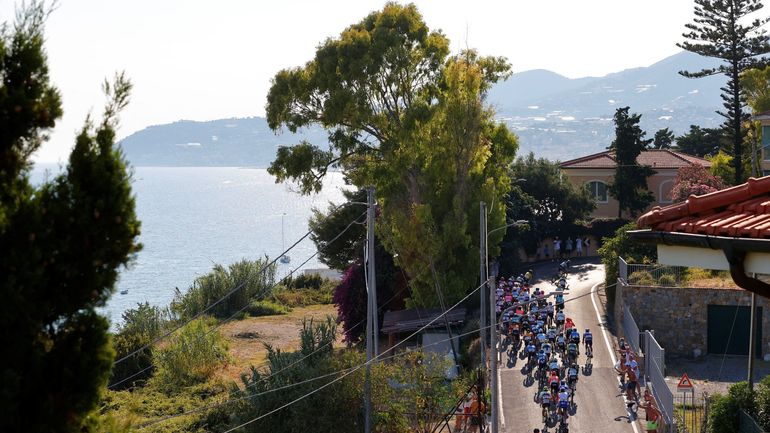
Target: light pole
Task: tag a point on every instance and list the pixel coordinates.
(493, 350)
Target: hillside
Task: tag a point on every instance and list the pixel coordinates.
(553, 116)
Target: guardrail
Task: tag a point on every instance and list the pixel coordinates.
(631, 330)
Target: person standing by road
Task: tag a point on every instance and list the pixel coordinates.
(568, 247)
(579, 247)
(556, 247)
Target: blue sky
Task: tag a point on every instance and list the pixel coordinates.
(203, 60)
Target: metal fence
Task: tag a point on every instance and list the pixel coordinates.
(748, 424)
(655, 375)
(691, 412)
(630, 329)
(654, 275)
(622, 269)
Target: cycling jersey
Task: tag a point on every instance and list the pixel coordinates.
(545, 398)
(563, 400)
(530, 348)
(572, 373)
(572, 348)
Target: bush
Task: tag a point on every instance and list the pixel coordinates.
(254, 283)
(266, 308)
(302, 281)
(667, 280)
(621, 245)
(303, 297)
(723, 411)
(190, 357)
(641, 278)
(140, 326)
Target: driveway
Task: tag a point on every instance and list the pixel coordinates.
(599, 404)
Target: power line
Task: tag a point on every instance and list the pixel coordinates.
(348, 370)
(227, 295)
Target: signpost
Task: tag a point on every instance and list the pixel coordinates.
(684, 386)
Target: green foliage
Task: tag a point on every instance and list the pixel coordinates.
(140, 326)
(663, 139)
(190, 357)
(723, 415)
(302, 281)
(303, 297)
(621, 245)
(412, 123)
(721, 30)
(702, 142)
(252, 279)
(667, 280)
(755, 87)
(348, 247)
(266, 308)
(546, 199)
(67, 239)
(722, 167)
(630, 184)
(641, 278)
(762, 402)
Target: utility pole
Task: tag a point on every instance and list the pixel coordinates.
(371, 310)
(493, 352)
(752, 336)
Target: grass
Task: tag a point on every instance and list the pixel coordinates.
(690, 416)
(697, 277)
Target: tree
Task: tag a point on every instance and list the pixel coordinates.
(663, 139)
(68, 238)
(621, 245)
(721, 166)
(701, 142)
(630, 184)
(348, 247)
(411, 122)
(546, 199)
(717, 31)
(755, 85)
(695, 179)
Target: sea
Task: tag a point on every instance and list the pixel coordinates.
(195, 217)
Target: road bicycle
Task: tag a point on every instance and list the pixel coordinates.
(589, 351)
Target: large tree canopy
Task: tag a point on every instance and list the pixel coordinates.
(411, 121)
(62, 244)
(699, 141)
(719, 31)
(630, 184)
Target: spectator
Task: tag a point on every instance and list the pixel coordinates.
(579, 246)
(568, 246)
(546, 254)
(556, 247)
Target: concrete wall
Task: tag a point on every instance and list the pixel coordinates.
(679, 315)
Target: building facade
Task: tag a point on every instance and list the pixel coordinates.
(764, 154)
(596, 172)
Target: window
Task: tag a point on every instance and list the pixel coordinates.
(766, 142)
(598, 190)
(664, 195)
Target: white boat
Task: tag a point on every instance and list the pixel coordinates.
(124, 292)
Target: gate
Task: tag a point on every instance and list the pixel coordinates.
(655, 375)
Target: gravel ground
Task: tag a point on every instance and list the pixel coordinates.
(713, 373)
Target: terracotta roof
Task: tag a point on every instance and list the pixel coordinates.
(662, 158)
(740, 211)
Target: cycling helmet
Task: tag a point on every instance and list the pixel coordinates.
(588, 330)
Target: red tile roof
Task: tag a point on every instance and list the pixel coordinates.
(739, 211)
(655, 158)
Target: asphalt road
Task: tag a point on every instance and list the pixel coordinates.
(599, 406)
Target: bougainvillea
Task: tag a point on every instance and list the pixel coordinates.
(350, 299)
(696, 180)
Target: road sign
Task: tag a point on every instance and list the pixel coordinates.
(685, 384)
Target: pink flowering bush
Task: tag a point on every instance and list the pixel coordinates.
(694, 180)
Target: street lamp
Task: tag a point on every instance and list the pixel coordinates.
(494, 352)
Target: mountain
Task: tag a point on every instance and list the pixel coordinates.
(554, 116)
(233, 142)
(564, 118)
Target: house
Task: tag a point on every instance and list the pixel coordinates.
(724, 230)
(764, 160)
(597, 171)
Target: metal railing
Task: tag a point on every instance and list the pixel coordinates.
(622, 269)
(630, 329)
(748, 424)
(654, 275)
(655, 373)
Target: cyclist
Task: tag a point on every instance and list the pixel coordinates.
(551, 334)
(561, 343)
(563, 403)
(553, 366)
(531, 352)
(528, 275)
(572, 376)
(574, 336)
(588, 341)
(547, 349)
(572, 353)
(559, 301)
(564, 266)
(554, 381)
(560, 318)
(545, 402)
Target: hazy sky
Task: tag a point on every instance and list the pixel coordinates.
(204, 60)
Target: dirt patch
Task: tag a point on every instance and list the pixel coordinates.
(247, 338)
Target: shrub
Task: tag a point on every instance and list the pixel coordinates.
(302, 281)
(140, 326)
(253, 282)
(667, 280)
(303, 297)
(621, 245)
(266, 308)
(723, 411)
(190, 357)
(641, 278)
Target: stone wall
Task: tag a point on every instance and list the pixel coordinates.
(679, 315)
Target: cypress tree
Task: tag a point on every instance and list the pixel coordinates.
(630, 184)
(61, 244)
(717, 31)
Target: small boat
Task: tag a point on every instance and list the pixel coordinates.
(285, 259)
(124, 292)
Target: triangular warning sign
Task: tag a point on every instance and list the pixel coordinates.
(685, 382)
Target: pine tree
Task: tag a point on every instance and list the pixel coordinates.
(663, 139)
(717, 32)
(630, 184)
(61, 245)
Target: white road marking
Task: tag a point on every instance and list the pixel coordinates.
(607, 340)
(500, 400)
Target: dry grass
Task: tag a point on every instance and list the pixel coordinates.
(246, 338)
(697, 277)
